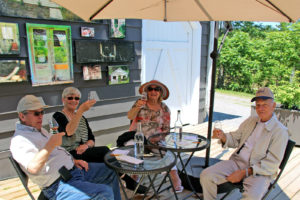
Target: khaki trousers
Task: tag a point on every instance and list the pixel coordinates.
(254, 187)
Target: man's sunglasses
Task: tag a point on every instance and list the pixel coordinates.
(157, 89)
(71, 98)
(36, 113)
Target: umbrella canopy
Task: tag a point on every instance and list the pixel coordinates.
(189, 10)
(186, 10)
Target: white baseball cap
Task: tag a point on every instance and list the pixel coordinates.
(30, 102)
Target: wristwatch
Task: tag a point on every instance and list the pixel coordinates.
(247, 172)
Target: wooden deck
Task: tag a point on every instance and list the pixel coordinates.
(288, 186)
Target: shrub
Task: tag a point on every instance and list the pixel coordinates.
(288, 96)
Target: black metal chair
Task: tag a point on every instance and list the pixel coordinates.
(24, 179)
(229, 187)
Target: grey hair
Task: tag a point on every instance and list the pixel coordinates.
(69, 91)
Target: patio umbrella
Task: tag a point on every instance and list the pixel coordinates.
(186, 10)
(189, 10)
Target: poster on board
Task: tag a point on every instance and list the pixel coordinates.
(87, 32)
(91, 72)
(9, 38)
(118, 74)
(50, 54)
(117, 28)
(12, 71)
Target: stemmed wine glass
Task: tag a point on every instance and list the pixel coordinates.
(53, 125)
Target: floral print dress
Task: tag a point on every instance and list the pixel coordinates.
(153, 122)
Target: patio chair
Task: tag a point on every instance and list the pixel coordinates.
(24, 179)
(229, 187)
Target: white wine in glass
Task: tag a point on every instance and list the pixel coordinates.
(218, 124)
(53, 125)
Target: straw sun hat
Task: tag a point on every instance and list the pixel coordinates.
(165, 90)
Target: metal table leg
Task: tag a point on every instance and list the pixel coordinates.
(187, 176)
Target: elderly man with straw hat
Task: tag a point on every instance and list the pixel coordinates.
(50, 166)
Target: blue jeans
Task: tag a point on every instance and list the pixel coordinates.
(99, 182)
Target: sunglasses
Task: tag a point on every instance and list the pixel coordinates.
(71, 98)
(36, 113)
(157, 89)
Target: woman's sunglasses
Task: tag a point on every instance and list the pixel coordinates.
(71, 98)
(35, 113)
(157, 89)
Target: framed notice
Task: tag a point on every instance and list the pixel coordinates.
(50, 54)
(118, 74)
(12, 71)
(95, 51)
(91, 72)
(9, 38)
(117, 28)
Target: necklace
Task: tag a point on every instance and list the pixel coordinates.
(68, 114)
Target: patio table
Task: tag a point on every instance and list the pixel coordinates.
(188, 142)
(155, 161)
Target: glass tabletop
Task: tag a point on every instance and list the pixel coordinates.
(155, 161)
(189, 142)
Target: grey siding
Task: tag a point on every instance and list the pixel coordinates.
(203, 69)
(109, 117)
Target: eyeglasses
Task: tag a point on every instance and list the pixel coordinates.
(35, 113)
(71, 98)
(157, 89)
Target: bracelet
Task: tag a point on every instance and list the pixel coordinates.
(247, 172)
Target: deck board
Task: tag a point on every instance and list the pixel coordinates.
(288, 186)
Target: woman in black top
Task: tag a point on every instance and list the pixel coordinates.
(79, 139)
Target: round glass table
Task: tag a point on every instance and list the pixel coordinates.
(155, 161)
(186, 142)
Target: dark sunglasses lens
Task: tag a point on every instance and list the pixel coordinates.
(156, 89)
(39, 113)
(71, 98)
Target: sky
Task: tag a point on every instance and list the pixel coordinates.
(273, 24)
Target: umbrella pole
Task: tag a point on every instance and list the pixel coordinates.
(214, 55)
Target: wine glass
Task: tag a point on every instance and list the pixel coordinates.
(92, 96)
(218, 124)
(53, 125)
(144, 97)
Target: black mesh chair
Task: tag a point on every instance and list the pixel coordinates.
(24, 179)
(229, 187)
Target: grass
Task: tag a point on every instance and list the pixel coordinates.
(234, 93)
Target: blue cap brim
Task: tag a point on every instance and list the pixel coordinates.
(260, 97)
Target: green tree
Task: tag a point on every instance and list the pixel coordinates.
(254, 56)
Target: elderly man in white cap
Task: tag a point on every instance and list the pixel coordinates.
(50, 166)
(260, 141)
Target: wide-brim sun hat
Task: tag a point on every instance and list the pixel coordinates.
(165, 90)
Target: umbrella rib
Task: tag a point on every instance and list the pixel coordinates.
(165, 14)
(99, 10)
(203, 9)
(277, 9)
